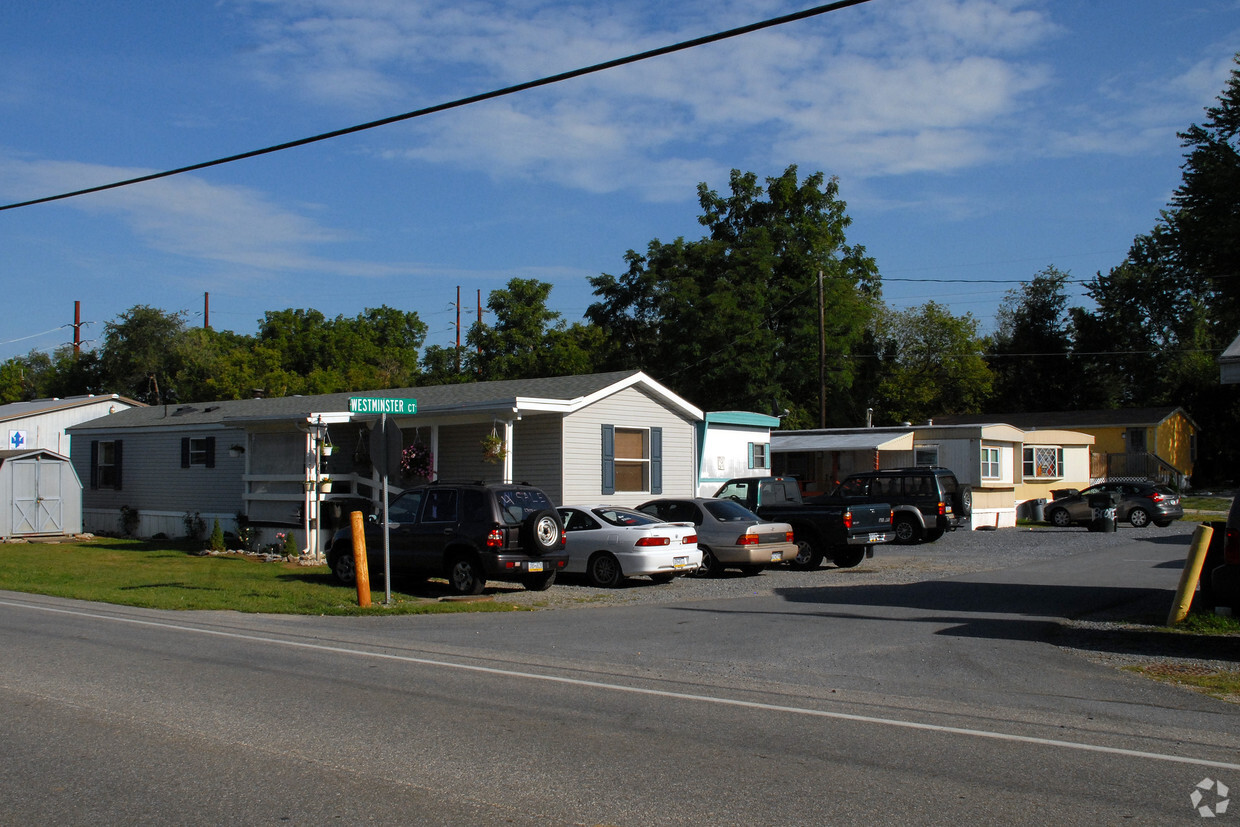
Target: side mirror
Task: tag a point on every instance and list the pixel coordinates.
(372, 518)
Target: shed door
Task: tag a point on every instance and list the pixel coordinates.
(37, 507)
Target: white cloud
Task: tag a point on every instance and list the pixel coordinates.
(184, 215)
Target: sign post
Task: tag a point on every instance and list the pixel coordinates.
(385, 448)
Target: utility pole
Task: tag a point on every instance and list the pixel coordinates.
(479, 331)
(822, 358)
(458, 330)
(206, 311)
(77, 327)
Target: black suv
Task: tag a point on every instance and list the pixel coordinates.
(925, 501)
(465, 532)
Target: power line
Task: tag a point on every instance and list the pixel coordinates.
(442, 107)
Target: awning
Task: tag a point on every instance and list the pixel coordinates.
(856, 441)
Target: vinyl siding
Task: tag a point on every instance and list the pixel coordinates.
(630, 408)
(152, 476)
(538, 454)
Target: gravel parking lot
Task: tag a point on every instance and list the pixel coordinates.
(958, 552)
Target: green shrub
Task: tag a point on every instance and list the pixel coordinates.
(217, 537)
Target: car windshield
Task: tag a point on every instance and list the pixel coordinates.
(726, 511)
(624, 516)
(516, 504)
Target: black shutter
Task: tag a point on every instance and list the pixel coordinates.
(210, 452)
(116, 464)
(185, 452)
(94, 463)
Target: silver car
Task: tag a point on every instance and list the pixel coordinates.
(730, 536)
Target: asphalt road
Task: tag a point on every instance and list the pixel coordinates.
(830, 697)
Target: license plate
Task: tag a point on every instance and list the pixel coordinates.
(535, 566)
(876, 538)
(680, 562)
(776, 556)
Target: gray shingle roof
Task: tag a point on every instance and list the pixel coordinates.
(431, 399)
(20, 410)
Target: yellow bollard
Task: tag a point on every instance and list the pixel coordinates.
(360, 566)
(1192, 573)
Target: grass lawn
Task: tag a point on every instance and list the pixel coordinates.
(167, 574)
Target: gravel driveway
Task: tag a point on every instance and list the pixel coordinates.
(958, 552)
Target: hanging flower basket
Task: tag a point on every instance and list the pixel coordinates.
(493, 450)
(417, 461)
(325, 485)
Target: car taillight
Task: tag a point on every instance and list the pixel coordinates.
(1156, 497)
(788, 538)
(1231, 547)
(747, 540)
(689, 538)
(847, 519)
(942, 509)
(654, 541)
(495, 539)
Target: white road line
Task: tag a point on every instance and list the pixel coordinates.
(661, 693)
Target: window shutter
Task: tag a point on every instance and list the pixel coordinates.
(767, 454)
(94, 463)
(609, 459)
(750, 455)
(185, 452)
(656, 460)
(117, 462)
(210, 452)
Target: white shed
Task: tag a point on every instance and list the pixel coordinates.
(41, 494)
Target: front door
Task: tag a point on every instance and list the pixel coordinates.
(37, 505)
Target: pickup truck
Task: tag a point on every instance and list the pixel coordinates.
(844, 534)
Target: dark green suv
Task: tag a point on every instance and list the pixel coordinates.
(463, 532)
(925, 501)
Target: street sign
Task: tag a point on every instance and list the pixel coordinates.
(382, 405)
(385, 447)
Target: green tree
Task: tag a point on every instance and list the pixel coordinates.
(142, 350)
(527, 340)
(933, 365)
(731, 320)
(1030, 348)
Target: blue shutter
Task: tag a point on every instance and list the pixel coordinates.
(609, 459)
(118, 463)
(750, 455)
(656, 460)
(767, 454)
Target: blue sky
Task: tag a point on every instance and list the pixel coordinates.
(973, 139)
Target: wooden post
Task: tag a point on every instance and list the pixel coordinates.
(1191, 574)
(360, 567)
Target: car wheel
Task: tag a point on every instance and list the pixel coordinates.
(539, 581)
(847, 557)
(540, 533)
(343, 568)
(604, 571)
(933, 534)
(808, 557)
(710, 564)
(465, 575)
(907, 531)
(662, 578)
(752, 569)
(1059, 518)
(1139, 517)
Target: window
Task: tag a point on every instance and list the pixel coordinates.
(105, 464)
(759, 455)
(198, 451)
(632, 459)
(990, 463)
(1043, 461)
(925, 455)
(440, 506)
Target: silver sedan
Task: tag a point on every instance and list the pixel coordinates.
(729, 535)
